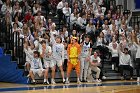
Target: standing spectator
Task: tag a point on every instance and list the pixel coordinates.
(81, 21)
(46, 54)
(85, 57)
(74, 51)
(7, 6)
(60, 6)
(36, 8)
(113, 46)
(67, 13)
(29, 18)
(73, 19)
(17, 8)
(58, 54)
(138, 60)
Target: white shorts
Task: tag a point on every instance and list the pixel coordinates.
(38, 71)
(57, 62)
(48, 63)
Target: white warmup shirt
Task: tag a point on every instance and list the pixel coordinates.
(35, 62)
(81, 21)
(67, 11)
(57, 49)
(124, 59)
(94, 60)
(138, 51)
(114, 52)
(60, 5)
(30, 52)
(45, 53)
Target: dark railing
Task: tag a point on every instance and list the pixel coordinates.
(12, 42)
(18, 49)
(112, 2)
(135, 20)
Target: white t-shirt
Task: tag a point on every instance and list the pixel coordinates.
(124, 59)
(138, 51)
(114, 52)
(30, 52)
(46, 51)
(95, 60)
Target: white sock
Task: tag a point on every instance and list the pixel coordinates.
(63, 79)
(52, 79)
(33, 80)
(78, 79)
(45, 80)
(67, 79)
(112, 66)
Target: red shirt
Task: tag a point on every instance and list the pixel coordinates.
(28, 17)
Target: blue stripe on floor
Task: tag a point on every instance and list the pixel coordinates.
(67, 86)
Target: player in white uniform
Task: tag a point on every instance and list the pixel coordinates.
(58, 54)
(28, 48)
(36, 66)
(46, 54)
(85, 57)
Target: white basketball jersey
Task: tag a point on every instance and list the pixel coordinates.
(85, 50)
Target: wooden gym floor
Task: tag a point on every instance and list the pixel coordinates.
(104, 87)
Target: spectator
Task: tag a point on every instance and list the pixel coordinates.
(58, 54)
(73, 59)
(90, 28)
(67, 12)
(81, 21)
(137, 60)
(6, 7)
(46, 54)
(36, 8)
(60, 6)
(36, 66)
(85, 57)
(125, 62)
(113, 46)
(73, 20)
(94, 63)
(29, 51)
(29, 18)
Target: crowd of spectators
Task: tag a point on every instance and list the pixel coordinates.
(108, 30)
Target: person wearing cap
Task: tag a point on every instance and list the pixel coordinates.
(85, 57)
(93, 66)
(73, 51)
(46, 54)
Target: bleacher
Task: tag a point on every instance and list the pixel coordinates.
(16, 60)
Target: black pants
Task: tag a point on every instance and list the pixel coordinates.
(103, 52)
(65, 65)
(138, 66)
(115, 60)
(60, 16)
(126, 67)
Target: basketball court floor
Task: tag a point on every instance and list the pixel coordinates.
(104, 87)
